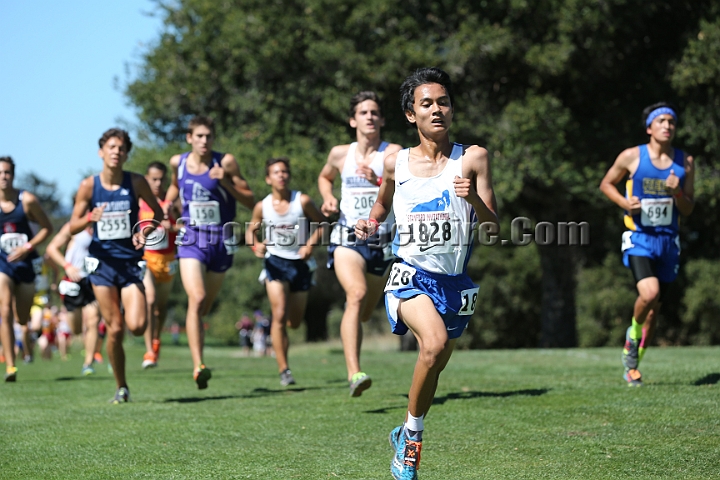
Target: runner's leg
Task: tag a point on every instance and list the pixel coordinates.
(91, 315)
(350, 272)
(7, 333)
(278, 293)
(150, 298)
(108, 299)
(435, 349)
(162, 294)
(192, 274)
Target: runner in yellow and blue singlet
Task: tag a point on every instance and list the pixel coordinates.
(658, 190)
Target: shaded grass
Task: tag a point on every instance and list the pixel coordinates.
(498, 414)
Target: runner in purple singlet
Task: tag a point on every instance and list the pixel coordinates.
(208, 184)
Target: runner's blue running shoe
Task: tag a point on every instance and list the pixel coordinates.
(395, 437)
(630, 357)
(87, 370)
(406, 460)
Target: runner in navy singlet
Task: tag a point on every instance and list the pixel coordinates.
(114, 263)
(19, 262)
(209, 184)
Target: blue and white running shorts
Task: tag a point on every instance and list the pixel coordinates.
(454, 296)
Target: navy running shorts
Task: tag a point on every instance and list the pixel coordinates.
(295, 272)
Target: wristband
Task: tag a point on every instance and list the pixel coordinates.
(679, 194)
(89, 217)
(379, 181)
(28, 246)
(67, 264)
(375, 223)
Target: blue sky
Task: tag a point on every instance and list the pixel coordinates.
(59, 61)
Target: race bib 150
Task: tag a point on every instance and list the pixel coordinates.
(205, 212)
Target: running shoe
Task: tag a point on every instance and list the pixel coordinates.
(395, 437)
(87, 370)
(98, 358)
(633, 377)
(406, 461)
(286, 378)
(156, 349)
(11, 374)
(630, 352)
(359, 383)
(2, 358)
(149, 360)
(121, 396)
(202, 375)
(27, 359)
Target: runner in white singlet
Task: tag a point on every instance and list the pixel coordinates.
(287, 252)
(361, 265)
(439, 191)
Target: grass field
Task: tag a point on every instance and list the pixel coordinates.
(498, 414)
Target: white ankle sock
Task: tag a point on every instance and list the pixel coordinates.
(414, 423)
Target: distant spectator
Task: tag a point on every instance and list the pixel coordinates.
(244, 327)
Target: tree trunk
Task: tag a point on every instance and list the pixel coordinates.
(557, 314)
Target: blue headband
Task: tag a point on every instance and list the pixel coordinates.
(660, 111)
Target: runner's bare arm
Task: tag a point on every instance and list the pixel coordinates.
(383, 202)
(315, 216)
(476, 185)
(80, 219)
(686, 202)
(251, 235)
(35, 212)
(333, 167)
(235, 183)
(59, 241)
(624, 164)
(143, 190)
(173, 190)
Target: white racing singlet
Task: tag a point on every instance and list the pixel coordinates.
(434, 225)
(78, 250)
(357, 194)
(282, 232)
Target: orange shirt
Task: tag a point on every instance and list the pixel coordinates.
(161, 241)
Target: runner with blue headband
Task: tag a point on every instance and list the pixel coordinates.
(659, 188)
(660, 111)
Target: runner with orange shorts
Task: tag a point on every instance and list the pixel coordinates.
(161, 262)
